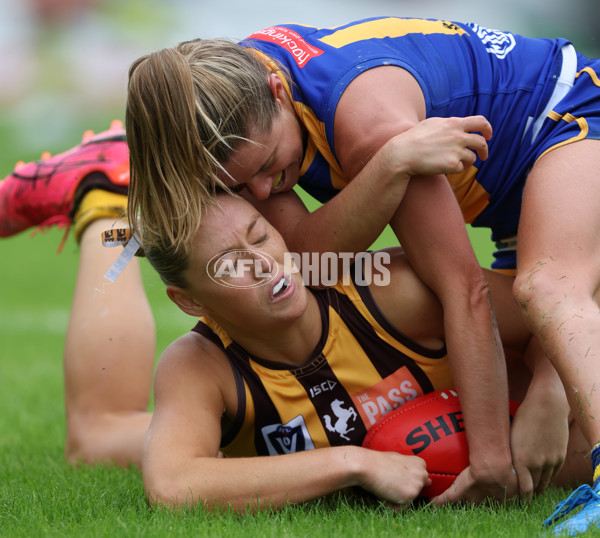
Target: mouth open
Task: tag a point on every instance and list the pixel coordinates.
(278, 182)
(283, 285)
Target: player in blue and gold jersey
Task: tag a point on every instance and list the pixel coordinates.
(367, 116)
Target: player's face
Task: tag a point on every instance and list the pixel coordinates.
(270, 164)
(237, 269)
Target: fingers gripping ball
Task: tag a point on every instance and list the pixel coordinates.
(430, 427)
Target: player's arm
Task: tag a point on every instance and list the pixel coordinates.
(430, 227)
(380, 146)
(540, 429)
(193, 385)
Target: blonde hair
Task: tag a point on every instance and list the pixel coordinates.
(188, 108)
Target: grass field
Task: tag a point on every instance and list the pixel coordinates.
(40, 495)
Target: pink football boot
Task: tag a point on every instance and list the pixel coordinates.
(46, 192)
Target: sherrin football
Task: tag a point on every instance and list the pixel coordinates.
(430, 427)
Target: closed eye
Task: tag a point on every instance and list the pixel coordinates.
(237, 188)
(261, 239)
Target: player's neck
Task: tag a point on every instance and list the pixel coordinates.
(291, 343)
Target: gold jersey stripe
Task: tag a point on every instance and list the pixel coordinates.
(472, 197)
(389, 28)
(437, 370)
(591, 73)
(569, 118)
(286, 392)
(341, 345)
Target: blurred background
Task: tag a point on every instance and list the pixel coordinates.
(63, 63)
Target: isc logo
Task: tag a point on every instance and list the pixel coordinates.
(322, 387)
(433, 430)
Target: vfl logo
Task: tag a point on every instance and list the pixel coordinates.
(287, 438)
(242, 268)
(343, 416)
(497, 43)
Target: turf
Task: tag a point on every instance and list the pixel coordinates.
(40, 495)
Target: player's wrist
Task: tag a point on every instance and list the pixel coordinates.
(352, 464)
(496, 469)
(490, 453)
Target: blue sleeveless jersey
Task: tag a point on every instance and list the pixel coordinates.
(462, 69)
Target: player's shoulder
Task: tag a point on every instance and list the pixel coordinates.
(405, 300)
(194, 358)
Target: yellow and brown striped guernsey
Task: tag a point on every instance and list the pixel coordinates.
(361, 369)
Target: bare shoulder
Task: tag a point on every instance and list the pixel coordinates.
(377, 105)
(406, 301)
(192, 362)
(193, 385)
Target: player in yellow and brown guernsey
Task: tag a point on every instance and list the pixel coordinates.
(276, 369)
(361, 115)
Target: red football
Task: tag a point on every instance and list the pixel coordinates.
(430, 427)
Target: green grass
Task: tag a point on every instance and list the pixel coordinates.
(40, 495)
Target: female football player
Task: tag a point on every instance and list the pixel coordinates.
(332, 108)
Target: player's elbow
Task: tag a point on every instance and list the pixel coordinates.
(160, 491)
(479, 288)
(469, 284)
(164, 489)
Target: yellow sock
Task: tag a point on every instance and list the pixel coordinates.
(98, 204)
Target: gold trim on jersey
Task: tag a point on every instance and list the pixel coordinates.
(569, 118)
(591, 73)
(437, 370)
(317, 140)
(389, 28)
(472, 197)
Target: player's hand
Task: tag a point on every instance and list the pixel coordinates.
(393, 477)
(539, 437)
(441, 145)
(475, 486)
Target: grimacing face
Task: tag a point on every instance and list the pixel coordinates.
(237, 270)
(270, 164)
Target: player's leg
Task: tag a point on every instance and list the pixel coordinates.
(576, 469)
(540, 429)
(523, 353)
(557, 285)
(559, 271)
(109, 358)
(109, 352)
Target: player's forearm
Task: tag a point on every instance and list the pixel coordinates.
(479, 371)
(545, 387)
(357, 215)
(249, 484)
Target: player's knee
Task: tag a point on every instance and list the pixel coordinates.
(534, 291)
(83, 444)
(77, 444)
